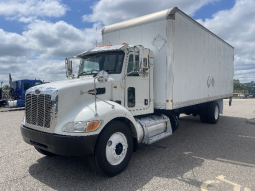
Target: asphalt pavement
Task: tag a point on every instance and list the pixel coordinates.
(196, 157)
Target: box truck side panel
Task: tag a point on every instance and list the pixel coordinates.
(202, 64)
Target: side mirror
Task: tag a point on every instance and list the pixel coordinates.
(145, 62)
(69, 68)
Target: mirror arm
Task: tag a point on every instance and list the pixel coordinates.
(95, 92)
(104, 78)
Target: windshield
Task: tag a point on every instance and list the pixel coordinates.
(110, 62)
(37, 83)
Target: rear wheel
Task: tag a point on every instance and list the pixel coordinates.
(174, 119)
(213, 112)
(47, 153)
(113, 150)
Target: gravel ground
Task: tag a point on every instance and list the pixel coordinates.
(197, 157)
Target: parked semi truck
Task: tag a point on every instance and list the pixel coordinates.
(131, 90)
(18, 89)
(251, 91)
(251, 88)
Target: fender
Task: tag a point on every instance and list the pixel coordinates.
(105, 114)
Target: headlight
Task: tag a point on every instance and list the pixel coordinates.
(81, 126)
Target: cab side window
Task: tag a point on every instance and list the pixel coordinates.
(136, 65)
(26, 86)
(133, 64)
(130, 64)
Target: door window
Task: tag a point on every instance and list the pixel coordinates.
(26, 86)
(133, 65)
(131, 97)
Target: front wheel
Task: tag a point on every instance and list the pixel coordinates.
(113, 150)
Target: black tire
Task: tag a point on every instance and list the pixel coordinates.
(203, 113)
(174, 120)
(109, 148)
(213, 111)
(47, 153)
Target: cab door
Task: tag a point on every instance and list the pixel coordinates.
(137, 88)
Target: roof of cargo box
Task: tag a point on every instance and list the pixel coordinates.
(161, 15)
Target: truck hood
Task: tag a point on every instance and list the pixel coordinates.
(77, 85)
(73, 93)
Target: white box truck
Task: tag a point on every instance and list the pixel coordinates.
(131, 90)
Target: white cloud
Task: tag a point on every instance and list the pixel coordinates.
(40, 51)
(48, 70)
(13, 44)
(60, 39)
(27, 10)
(112, 11)
(237, 27)
(244, 69)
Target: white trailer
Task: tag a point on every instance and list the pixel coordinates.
(131, 90)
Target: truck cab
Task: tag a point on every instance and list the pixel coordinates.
(19, 87)
(130, 69)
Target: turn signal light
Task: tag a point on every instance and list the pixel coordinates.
(108, 45)
(93, 125)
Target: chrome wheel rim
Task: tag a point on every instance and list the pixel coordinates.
(216, 112)
(116, 148)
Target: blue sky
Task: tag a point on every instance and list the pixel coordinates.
(36, 35)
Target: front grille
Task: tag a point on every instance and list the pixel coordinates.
(38, 110)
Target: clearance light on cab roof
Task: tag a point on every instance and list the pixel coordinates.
(108, 45)
(123, 43)
(100, 46)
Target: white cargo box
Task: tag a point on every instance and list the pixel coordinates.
(191, 64)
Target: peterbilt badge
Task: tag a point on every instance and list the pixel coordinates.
(37, 91)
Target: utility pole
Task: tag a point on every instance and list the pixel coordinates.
(1, 84)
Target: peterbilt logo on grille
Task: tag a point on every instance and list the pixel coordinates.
(37, 91)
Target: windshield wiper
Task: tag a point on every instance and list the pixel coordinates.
(89, 72)
(83, 73)
(109, 71)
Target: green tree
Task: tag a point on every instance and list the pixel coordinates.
(238, 85)
(6, 87)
